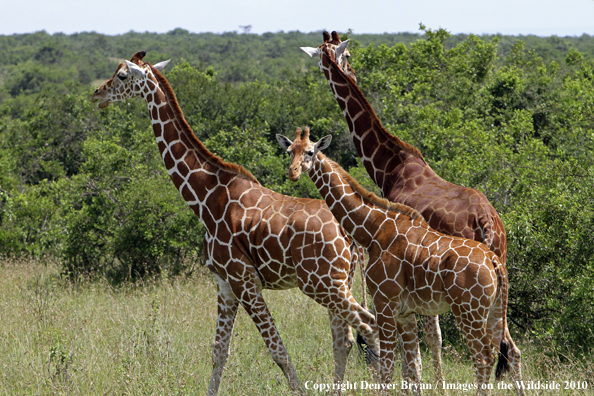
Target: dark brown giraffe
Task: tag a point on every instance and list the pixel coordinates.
(415, 269)
(255, 238)
(398, 168)
(403, 175)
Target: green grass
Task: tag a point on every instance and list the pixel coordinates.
(155, 338)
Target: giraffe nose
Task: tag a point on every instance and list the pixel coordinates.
(96, 91)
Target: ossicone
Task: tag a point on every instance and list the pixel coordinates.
(137, 58)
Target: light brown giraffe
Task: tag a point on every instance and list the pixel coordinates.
(255, 238)
(415, 269)
(403, 175)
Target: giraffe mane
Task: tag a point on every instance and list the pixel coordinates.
(406, 146)
(198, 145)
(371, 197)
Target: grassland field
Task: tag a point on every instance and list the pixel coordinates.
(155, 338)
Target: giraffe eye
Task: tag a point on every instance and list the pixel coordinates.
(310, 153)
(122, 76)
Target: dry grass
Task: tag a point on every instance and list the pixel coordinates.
(155, 338)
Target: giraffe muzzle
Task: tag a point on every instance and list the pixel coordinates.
(294, 175)
(99, 95)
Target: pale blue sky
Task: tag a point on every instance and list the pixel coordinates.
(540, 17)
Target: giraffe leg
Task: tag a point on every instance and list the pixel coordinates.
(342, 305)
(515, 363)
(433, 337)
(473, 324)
(509, 355)
(249, 292)
(411, 354)
(343, 341)
(386, 323)
(227, 310)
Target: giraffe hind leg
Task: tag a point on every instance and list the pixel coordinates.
(341, 304)
(227, 310)
(512, 359)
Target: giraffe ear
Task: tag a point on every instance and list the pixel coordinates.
(134, 69)
(284, 141)
(323, 143)
(341, 48)
(311, 51)
(161, 65)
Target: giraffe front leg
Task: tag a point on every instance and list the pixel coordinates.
(227, 310)
(249, 292)
(433, 336)
(342, 342)
(386, 323)
(412, 366)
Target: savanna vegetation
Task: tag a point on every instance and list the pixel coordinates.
(85, 189)
(154, 337)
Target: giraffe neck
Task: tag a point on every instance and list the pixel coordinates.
(382, 153)
(194, 170)
(360, 212)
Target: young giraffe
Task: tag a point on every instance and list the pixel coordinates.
(415, 269)
(403, 175)
(256, 239)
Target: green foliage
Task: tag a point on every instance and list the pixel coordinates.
(512, 117)
(119, 226)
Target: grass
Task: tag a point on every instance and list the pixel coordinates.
(155, 338)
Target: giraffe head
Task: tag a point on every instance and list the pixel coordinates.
(129, 80)
(335, 49)
(302, 151)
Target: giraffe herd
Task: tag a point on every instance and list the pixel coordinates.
(432, 246)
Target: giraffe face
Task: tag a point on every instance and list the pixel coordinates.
(132, 78)
(302, 151)
(123, 85)
(336, 50)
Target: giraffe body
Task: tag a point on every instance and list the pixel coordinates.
(403, 175)
(415, 269)
(256, 239)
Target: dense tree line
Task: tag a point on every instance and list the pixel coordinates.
(512, 117)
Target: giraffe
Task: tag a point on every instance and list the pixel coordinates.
(403, 175)
(412, 269)
(255, 238)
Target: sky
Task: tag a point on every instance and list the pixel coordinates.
(513, 17)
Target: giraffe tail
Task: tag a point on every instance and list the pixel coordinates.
(503, 358)
(487, 225)
(371, 356)
(502, 362)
